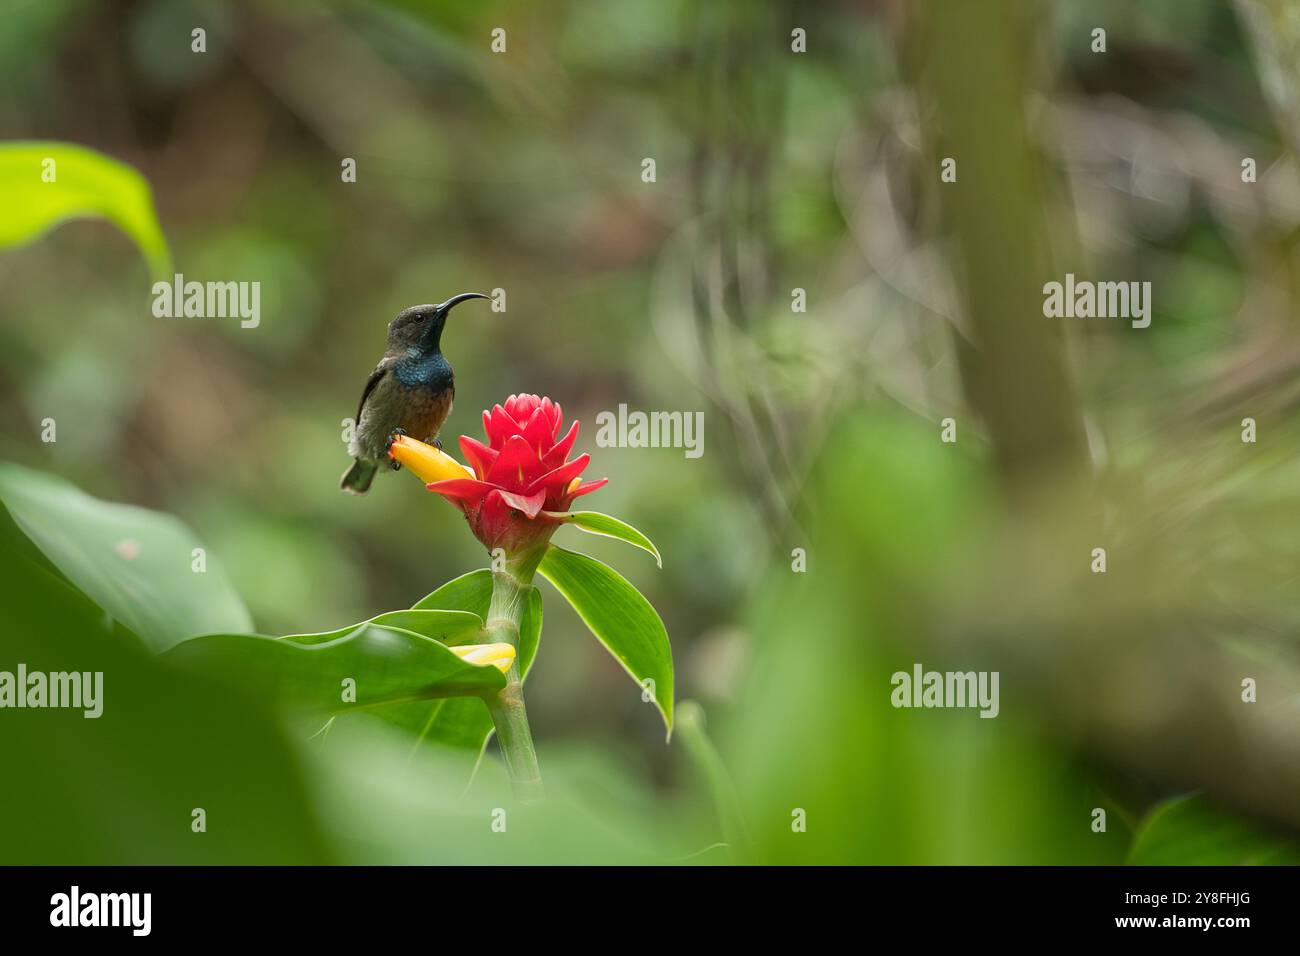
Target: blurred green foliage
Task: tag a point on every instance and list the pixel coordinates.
(775, 171)
(80, 183)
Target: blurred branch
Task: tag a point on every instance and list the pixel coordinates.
(739, 129)
(1273, 29)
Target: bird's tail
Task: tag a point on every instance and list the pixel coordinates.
(357, 479)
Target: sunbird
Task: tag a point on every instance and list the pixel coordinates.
(409, 392)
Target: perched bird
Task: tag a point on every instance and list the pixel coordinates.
(409, 392)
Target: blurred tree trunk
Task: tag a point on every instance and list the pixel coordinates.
(972, 64)
(1136, 664)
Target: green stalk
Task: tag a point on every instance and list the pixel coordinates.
(510, 589)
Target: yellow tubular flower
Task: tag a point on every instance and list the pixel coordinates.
(426, 462)
(500, 656)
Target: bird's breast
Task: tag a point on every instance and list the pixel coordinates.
(420, 370)
(423, 413)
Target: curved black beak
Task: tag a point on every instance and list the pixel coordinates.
(433, 335)
(446, 307)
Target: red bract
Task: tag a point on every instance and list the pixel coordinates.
(523, 479)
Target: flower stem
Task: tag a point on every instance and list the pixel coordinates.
(510, 588)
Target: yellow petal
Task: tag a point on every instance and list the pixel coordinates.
(500, 656)
(426, 462)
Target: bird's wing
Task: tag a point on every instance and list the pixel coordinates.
(375, 377)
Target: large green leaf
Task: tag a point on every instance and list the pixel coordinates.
(611, 527)
(165, 743)
(620, 617)
(85, 183)
(463, 723)
(388, 665)
(138, 565)
(1189, 831)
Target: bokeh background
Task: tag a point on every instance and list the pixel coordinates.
(776, 170)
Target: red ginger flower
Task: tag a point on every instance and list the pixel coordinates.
(521, 480)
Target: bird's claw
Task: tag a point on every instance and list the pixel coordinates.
(388, 447)
(435, 442)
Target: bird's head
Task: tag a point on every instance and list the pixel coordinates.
(420, 326)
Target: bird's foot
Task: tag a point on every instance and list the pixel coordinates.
(435, 442)
(388, 447)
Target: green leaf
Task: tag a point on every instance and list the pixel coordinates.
(137, 564)
(611, 527)
(530, 632)
(619, 616)
(709, 764)
(470, 592)
(446, 627)
(463, 723)
(388, 664)
(1190, 831)
(86, 184)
